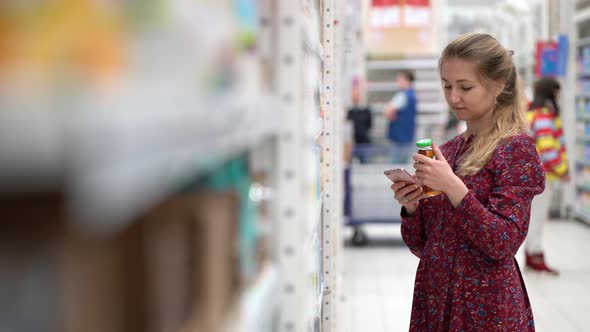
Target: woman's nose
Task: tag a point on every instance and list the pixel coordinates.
(455, 96)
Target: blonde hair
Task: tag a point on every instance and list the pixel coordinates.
(495, 67)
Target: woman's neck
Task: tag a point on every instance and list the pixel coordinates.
(474, 127)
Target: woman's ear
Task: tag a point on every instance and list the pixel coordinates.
(499, 88)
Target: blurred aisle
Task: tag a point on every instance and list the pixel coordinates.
(378, 282)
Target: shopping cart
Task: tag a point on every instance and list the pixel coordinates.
(368, 196)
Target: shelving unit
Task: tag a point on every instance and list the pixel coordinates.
(309, 168)
(581, 50)
(171, 205)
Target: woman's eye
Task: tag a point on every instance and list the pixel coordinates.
(448, 87)
(467, 88)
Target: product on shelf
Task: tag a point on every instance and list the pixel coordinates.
(585, 61)
(94, 49)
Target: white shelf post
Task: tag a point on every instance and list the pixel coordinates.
(290, 205)
(332, 157)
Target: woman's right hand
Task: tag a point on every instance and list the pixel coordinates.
(408, 195)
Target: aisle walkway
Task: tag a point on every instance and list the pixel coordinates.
(378, 282)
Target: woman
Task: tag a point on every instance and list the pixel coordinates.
(466, 239)
(545, 125)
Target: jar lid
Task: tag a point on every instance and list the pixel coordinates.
(424, 143)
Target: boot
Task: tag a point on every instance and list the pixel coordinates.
(536, 262)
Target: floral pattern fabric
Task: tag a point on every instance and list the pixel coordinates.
(468, 279)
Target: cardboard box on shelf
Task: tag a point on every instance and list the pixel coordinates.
(104, 282)
(175, 267)
(216, 268)
(192, 262)
(31, 253)
(168, 254)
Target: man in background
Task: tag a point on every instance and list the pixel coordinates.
(362, 121)
(401, 113)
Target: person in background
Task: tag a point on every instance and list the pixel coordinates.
(546, 130)
(466, 238)
(401, 113)
(362, 121)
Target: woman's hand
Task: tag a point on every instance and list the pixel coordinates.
(408, 195)
(438, 175)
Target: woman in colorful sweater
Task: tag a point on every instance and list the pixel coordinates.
(546, 129)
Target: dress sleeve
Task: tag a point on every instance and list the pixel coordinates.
(413, 231)
(499, 228)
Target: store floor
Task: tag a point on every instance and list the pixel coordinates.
(378, 282)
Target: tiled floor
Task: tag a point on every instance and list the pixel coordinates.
(378, 280)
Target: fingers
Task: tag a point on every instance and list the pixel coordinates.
(437, 153)
(398, 185)
(408, 193)
(416, 199)
(422, 159)
(401, 188)
(420, 176)
(418, 166)
(414, 195)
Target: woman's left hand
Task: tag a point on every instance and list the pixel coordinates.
(435, 173)
(438, 175)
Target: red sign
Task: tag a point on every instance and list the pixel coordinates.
(418, 13)
(385, 3)
(418, 3)
(385, 14)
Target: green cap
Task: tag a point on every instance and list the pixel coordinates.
(424, 143)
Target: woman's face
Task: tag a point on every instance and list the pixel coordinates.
(468, 97)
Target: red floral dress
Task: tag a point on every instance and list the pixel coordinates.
(467, 278)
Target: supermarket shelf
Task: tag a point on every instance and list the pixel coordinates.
(582, 15)
(392, 86)
(320, 300)
(425, 63)
(583, 117)
(317, 128)
(423, 108)
(259, 302)
(163, 151)
(316, 217)
(314, 46)
(584, 41)
(582, 215)
(583, 139)
(256, 305)
(584, 187)
(311, 32)
(116, 163)
(583, 162)
(583, 95)
(437, 108)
